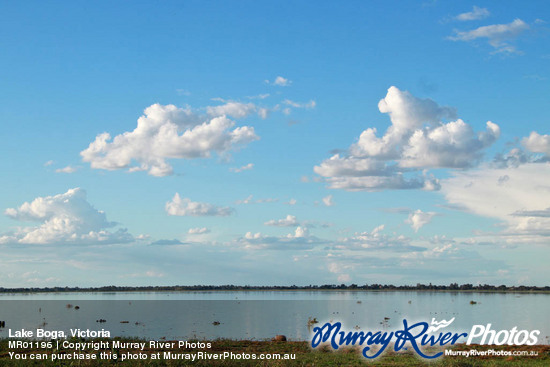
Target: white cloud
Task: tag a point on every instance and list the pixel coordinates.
(351, 166)
(476, 14)
(172, 242)
(153, 274)
(499, 36)
(343, 278)
(416, 139)
(64, 219)
(537, 143)
(533, 213)
(246, 167)
(452, 145)
(445, 252)
(289, 221)
(248, 200)
(49, 163)
(287, 110)
(419, 219)
(280, 81)
(300, 232)
(233, 109)
(337, 267)
(259, 96)
(327, 201)
(308, 105)
(263, 112)
(291, 202)
(186, 207)
(513, 158)
(408, 113)
(299, 240)
(377, 240)
(267, 200)
(166, 132)
(68, 169)
(376, 183)
(198, 230)
(514, 195)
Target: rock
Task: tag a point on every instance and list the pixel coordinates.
(279, 338)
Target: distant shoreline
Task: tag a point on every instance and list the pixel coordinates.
(464, 288)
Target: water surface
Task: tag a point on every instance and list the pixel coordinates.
(260, 315)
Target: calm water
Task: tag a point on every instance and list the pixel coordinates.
(261, 315)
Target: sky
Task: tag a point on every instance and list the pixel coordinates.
(274, 143)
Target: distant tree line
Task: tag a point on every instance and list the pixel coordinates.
(366, 287)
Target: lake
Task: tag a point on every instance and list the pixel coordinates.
(260, 315)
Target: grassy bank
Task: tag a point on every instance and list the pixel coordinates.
(303, 354)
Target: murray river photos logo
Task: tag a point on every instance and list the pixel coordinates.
(418, 335)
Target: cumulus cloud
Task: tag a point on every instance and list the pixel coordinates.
(339, 268)
(537, 143)
(299, 240)
(476, 14)
(168, 132)
(377, 240)
(419, 219)
(246, 167)
(499, 36)
(233, 109)
(397, 181)
(185, 207)
(280, 81)
(453, 145)
(289, 221)
(64, 219)
(513, 158)
(198, 230)
(417, 139)
(445, 252)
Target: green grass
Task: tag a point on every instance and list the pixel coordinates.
(305, 356)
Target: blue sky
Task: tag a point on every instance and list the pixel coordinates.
(264, 143)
